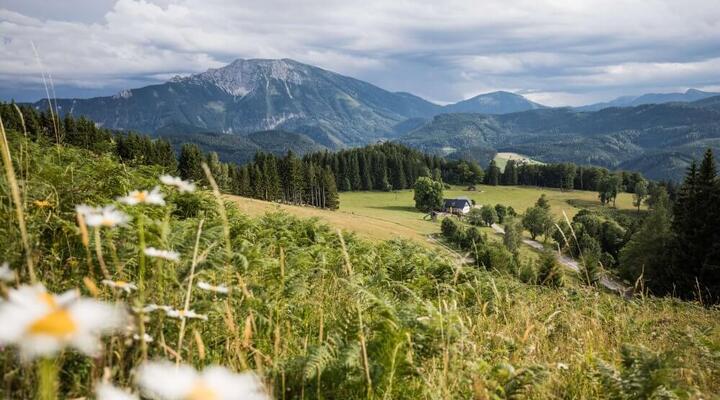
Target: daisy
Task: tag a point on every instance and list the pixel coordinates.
(107, 216)
(218, 289)
(7, 274)
(181, 185)
(182, 314)
(126, 286)
(42, 324)
(153, 197)
(165, 254)
(146, 337)
(165, 381)
(106, 391)
(154, 307)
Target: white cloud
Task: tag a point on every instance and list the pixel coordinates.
(559, 50)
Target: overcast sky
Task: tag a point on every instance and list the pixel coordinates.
(557, 52)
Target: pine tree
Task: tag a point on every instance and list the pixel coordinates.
(492, 176)
(695, 225)
(329, 193)
(189, 163)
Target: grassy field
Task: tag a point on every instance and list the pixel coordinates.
(388, 215)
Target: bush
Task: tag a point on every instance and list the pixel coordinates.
(488, 214)
(549, 270)
(474, 217)
(449, 227)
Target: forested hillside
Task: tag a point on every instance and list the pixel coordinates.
(656, 139)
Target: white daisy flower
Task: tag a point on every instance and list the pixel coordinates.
(154, 307)
(218, 289)
(165, 381)
(148, 338)
(165, 254)
(153, 197)
(7, 274)
(562, 366)
(182, 314)
(126, 286)
(181, 185)
(42, 324)
(107, 216)
(106, 391)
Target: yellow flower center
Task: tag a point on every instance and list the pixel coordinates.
(141, 196)
(201, 391)
(57, 322)
(107, 221)
(121, 284)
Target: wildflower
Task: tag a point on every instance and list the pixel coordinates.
(562, 366)
(6, 274)
(153, 197)
(107, 216)
(165, 381)
(154, 307)
(40, 323)
(182, 314)
(42, 204)
(126, 286)
(218, 289)
(165, 254)
(106, 391)
(181, 185)
(145, 336)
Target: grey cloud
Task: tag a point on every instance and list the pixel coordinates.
(555, 52)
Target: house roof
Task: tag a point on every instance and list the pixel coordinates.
(457, 203)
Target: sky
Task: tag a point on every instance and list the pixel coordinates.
(556, 52)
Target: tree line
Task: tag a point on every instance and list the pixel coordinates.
(564, 176)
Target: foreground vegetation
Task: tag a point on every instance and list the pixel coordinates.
(316, 314)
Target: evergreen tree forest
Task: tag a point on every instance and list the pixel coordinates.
(564, 176)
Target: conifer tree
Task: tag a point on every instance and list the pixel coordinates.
(189, 163)
(492, 176)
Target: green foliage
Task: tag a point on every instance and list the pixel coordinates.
(428, 194)
(640, 193)
(644, 375)
(549, 272)
(488, 214)
(501, 212)
(512, 239)
(537, 221)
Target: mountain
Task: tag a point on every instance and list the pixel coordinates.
(656, 139)
(259, 95)
(651, 98)
(241, 148)
(493, 103)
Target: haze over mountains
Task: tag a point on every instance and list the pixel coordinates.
(276, 105)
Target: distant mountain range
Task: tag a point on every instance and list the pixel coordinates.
(659, 140)
(651, 98)
(276, 105)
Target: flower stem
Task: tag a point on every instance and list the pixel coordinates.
(48, 377)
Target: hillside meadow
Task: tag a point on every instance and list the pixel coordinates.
(313, 313)
(391, 215)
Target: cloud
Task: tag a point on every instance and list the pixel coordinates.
(555, 50)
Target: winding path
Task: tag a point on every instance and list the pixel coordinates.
(569, 262)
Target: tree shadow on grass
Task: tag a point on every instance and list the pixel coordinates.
(396, 208)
